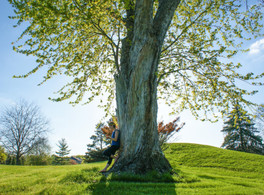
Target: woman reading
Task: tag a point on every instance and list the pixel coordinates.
(115, 145)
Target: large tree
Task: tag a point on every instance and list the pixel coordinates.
(142, 50)
(22, 128)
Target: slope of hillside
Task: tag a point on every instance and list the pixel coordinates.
(198, 169)
(195, 155)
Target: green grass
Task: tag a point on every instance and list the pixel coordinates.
(199, 170)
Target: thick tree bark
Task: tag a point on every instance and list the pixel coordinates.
(137, 115)
(136, 89)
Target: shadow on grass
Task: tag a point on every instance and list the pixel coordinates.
(125, 183)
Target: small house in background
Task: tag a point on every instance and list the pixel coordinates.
(75, 160)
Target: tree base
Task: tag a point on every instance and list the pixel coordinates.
(142, 164)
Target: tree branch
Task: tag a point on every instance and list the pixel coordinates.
(164, 17)
(186, 28)
(97, 26)
(143, 17)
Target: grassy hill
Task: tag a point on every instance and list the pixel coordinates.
(199, 169)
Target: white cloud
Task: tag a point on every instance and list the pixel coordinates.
(256, 47)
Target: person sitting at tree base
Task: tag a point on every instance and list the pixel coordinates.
(115, 145)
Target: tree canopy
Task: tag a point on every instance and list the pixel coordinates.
(83, 40)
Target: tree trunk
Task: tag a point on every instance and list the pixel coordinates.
(137, 115)
(242, 139)
(136, 87)
(18, 156)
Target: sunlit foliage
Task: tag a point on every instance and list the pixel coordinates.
(83, 40)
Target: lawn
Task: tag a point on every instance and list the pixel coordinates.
(198, 169)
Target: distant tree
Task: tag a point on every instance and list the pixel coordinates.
(43, 159)
(3, 155)
(95, 150)
(22, 128)
(63, 148)
(260, 119)
(41, 148)
(11, 159)
(40, 155)
(62, 153)
(240, 132)
(166, 132)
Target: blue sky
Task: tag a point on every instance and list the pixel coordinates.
(77, 124)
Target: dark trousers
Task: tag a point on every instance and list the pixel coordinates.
(110, 151)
